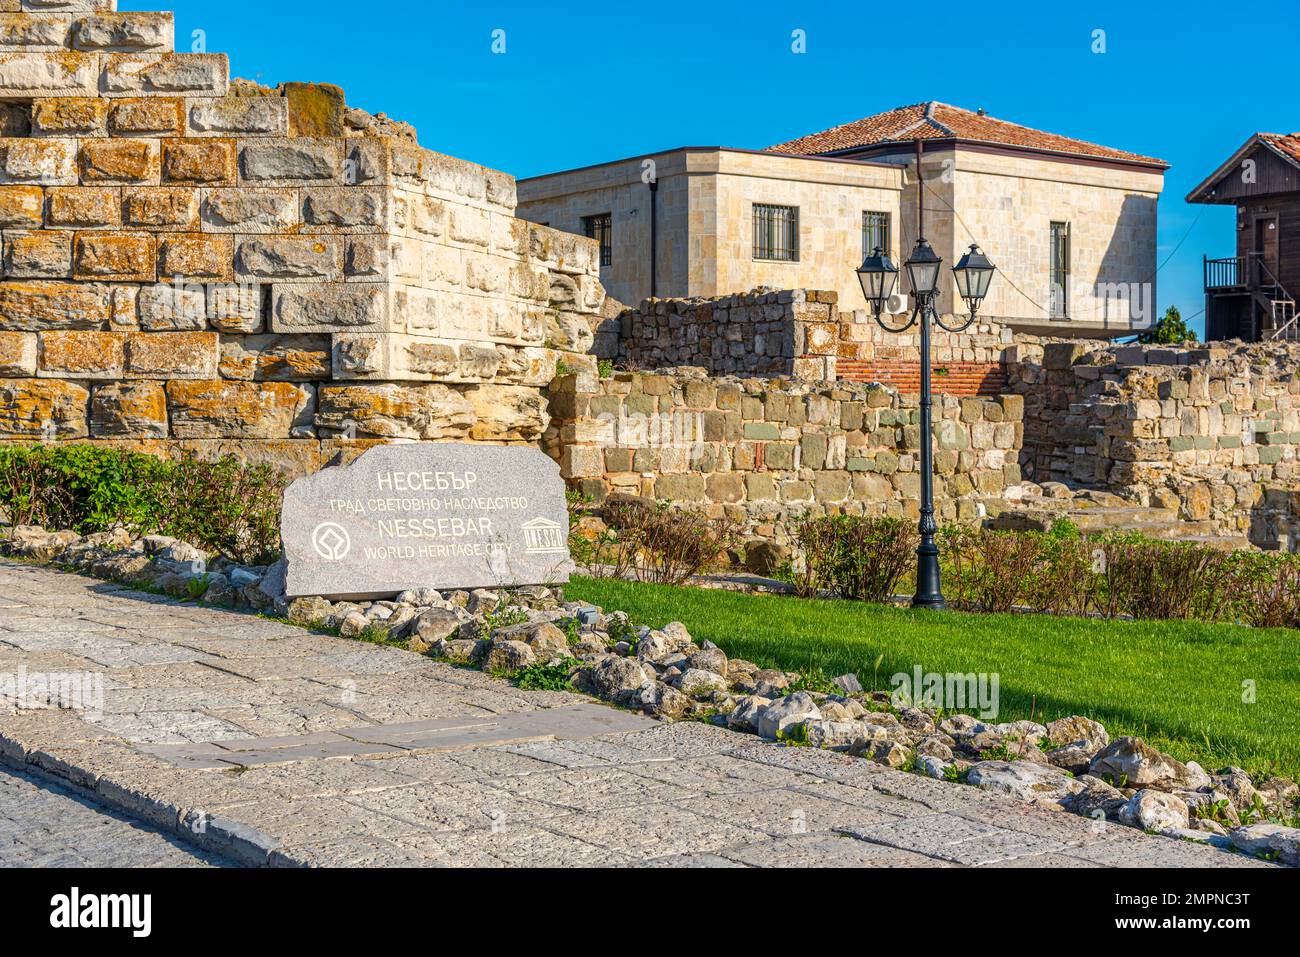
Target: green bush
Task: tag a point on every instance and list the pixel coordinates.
(223, 505)
(852, 556)
(654, 542)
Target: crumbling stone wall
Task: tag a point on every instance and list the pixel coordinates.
(1212, 431)
(191, 263)
(769, 450)
(799, 333)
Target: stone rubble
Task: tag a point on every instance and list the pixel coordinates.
(1069, 765)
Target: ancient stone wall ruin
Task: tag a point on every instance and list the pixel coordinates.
(197, 264)
(767, 450)
(1210, 431)
(802, 334)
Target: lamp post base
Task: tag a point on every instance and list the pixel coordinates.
(929, 594)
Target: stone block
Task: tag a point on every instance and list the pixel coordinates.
(289, 258)
(218, 409)
(43, 409)
(161, 208)
(17, 354)
(582, 461)
(171, 355)
(507, 413)
(160, 116)
(85, 207)
(125, 33)
(273, 358)
(34, 306)
(196, 256)
(43, 162)
(70, 116)
(81, 355)
(119, 161)
(27, 33)
(243, 210)
(168, 74)
(237, 307)
(334, 308)
(40, 254)
(388, 410)
(116, 257)
(21, 207)
(173, 306)
(136, 410)
(38, 74)
(315, 109)
(239, 116)
(291, 162)
(207, 162)
(344, 209)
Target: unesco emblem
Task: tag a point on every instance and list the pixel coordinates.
(331, 541)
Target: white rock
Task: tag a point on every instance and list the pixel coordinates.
(1269, 839)
(1155, 811)
(783, 712)
(1039, 784)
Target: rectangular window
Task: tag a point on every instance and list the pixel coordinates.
(875, 233)
(776, 232)
(601, 229)
(1060, 271)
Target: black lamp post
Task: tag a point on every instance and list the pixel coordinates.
(879, 277)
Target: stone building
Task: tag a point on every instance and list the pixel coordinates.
(1071, 225)
(197, 264)
(699, 209)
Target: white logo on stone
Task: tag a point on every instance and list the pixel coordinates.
(331, 541)
(544, 537)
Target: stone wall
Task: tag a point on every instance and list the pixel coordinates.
(1213, 431)
(768, 450)
(787, 333)
(197, 263)
(801, 333)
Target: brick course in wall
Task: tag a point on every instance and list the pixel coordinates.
(191, 263)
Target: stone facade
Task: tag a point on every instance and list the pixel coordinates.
(1212, 432)
(768, 450)
(703, 207)
(200, 264)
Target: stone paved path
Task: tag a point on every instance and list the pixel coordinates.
(44, 825)
(268, 744)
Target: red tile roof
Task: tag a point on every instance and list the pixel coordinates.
(939, 121)
(1285, 143)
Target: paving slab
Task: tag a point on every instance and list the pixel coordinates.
(272, 745)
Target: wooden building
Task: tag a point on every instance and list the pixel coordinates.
(1252, 294)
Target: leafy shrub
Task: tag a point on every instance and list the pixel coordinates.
(223, 505)
(853, 556)
(656, 543)
(1144, 578)
(1266, 589)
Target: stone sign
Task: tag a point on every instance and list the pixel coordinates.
(427, 515)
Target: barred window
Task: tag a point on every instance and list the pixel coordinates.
(1059, 301)
(776, 232)
(601, 229)
(875, 233)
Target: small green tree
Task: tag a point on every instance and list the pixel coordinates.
(1170, 328)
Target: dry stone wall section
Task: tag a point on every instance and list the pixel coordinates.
(191, 263)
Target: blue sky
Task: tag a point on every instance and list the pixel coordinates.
(583, 82)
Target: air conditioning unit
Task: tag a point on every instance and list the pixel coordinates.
(898, 304)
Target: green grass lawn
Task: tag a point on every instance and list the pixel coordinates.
(1179, 685)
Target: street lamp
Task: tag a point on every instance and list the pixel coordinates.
(879, 276)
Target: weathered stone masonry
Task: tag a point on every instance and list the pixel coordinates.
(191, 263)
(766, 450)
(1212, 432)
